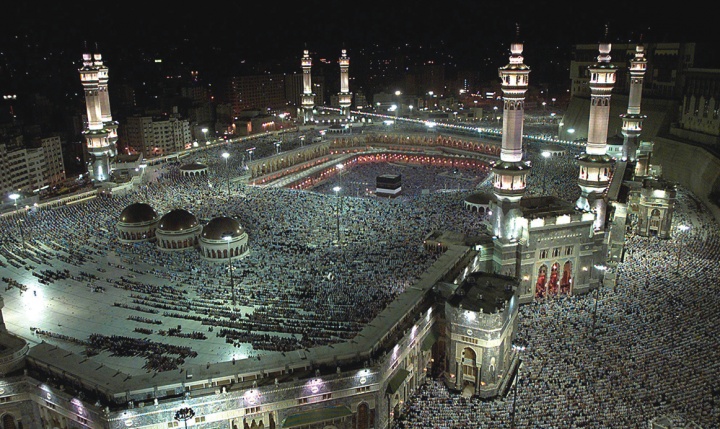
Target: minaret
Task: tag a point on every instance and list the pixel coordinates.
(632, 120)
(308, 98)
(105, 113)
(345, 96)
(510, 173)
(595, 164)
(99, 140)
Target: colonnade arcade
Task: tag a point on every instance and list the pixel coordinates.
(421, 140)
(139, 235)
(287, 159)
(236, 249)
(180, 243)
(449, 161)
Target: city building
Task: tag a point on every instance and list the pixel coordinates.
(31, 168)
(257, 92)
(156, 136)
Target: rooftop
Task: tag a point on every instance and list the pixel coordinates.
(483, 291)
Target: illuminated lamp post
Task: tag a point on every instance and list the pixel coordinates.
(681, 228)
(228, 238)
(397, 111)
(227, 171)
(602, 269)
(337, 191)
(545, 155)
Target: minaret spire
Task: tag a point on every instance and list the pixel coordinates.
(101, 131)
(510, 173)
(345, 96)
(595, 164)
(632, 120)
(308, 98)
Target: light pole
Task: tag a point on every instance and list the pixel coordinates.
(204, 131)
(397, 111)
(545, 155)
(602, 269)
(517, 380)
(184, 414)
(681, 228)
(15, 197)
(227, 171)
(337, 192)
(228, 237)
(277, 147)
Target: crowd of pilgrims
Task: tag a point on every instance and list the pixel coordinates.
(295, 288)
(653, 352)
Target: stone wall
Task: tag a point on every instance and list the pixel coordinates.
(691, 166)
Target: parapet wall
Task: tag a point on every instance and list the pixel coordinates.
(691, 166)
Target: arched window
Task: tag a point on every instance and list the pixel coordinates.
(8, 422)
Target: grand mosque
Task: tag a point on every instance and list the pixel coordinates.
(458, 320)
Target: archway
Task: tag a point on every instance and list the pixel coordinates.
(654, 224)
(8, 422)
(468, 362)
(540, 290)
(362, 416)
(566, 281)
(554, 280)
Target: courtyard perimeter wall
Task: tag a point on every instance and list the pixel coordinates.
(691, 166)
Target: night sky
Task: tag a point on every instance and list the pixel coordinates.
(260, 28)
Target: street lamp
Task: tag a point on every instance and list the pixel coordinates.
(681, 228)
(602, 269)
(337, 191)
(397, 111)
(204, 131)
(15, 197)
(277, 147)
(184, 414)
(545, 155)
(227, 171)
(228, 238)
(517, 380)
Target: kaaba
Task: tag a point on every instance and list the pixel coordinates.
(388, 185)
